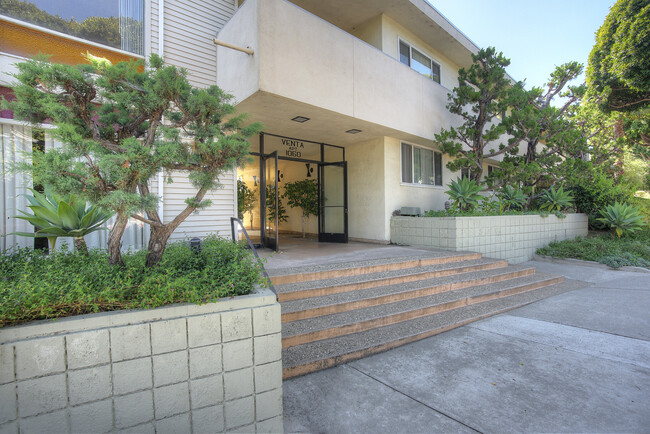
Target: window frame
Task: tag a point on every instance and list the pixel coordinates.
(146, 31)
(412, 165)
(401, 41)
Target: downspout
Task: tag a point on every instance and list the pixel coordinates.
(161, 51)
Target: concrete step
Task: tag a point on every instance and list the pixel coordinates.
(317, 288)
(355, 268)
(322, 354)
(341, 302)
(363, 319)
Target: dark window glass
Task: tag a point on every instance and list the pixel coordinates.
(437, 160)
(407, 163)
(404, 53)
(115, 23)
(435, 72)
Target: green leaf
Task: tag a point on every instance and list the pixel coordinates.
(46, 214)
(68, 216)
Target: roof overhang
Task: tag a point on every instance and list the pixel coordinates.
(417, 15)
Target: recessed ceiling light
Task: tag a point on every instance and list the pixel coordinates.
(300, 119)
(353, 131)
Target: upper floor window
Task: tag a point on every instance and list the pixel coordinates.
(421, 165)
(114, 23)
(420, 62)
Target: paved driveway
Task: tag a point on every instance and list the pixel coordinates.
(576, 362)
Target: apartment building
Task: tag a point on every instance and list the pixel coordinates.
(350, 93)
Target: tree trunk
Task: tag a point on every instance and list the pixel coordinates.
(157, 242)
(531, 151)
(115, 240)
(80, 245)
(303, 226)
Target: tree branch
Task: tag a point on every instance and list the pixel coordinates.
(147, 221)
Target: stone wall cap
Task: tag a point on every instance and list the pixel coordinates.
(53, 327)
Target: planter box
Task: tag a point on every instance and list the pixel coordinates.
(181, 368)
(511, 237)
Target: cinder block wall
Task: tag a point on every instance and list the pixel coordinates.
(188, 368)
(514, 238)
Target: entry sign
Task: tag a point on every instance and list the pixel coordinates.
(292, 148)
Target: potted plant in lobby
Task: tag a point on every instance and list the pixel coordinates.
(304, 195)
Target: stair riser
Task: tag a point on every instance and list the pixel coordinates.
(296, 371)
(332, 274)
(400, 296)
(413, 314)
(317, 292)
(299, 370)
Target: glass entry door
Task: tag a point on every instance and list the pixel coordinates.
(333, 202)
(269, 200)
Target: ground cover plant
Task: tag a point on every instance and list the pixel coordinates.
(34, 286)
(606, 248)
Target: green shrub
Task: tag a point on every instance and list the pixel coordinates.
(624, 259)
(62, 216)
(464, 194)
(596, 193)
(622, 218)
(630, 249)
(555, 200)
(37, 286)
(512, 198)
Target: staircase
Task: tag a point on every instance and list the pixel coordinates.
(335, 313)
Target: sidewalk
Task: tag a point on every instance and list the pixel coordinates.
(577, 362)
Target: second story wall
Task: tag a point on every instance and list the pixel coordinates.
(371, 32)
(392, 32)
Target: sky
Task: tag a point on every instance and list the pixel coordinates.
(536, 35)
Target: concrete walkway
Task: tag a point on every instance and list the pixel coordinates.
(576, 362)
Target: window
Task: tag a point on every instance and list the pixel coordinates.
(421, 165)
(114, 23)
(491, 169)
(420, 62)
(464, 173)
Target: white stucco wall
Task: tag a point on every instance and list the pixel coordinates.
(371, 32)
(367, 218)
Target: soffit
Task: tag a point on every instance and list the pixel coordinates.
(417, 15)
(324, 126)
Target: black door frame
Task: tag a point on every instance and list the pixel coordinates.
(325, 237)
(263, 157)
(267, 240)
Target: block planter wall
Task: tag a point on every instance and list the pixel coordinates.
(184, 368)
(514, 238)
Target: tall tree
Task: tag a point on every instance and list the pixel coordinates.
(618, 63)
(555, 143)
(122, 124)
(483, 98)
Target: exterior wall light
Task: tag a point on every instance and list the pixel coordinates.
(353, 131)
(310, 170)
(300, 119)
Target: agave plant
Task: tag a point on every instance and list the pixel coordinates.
(556, 200)
(464, 193)
(62, 216)
(622, 218)
(512, 198)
